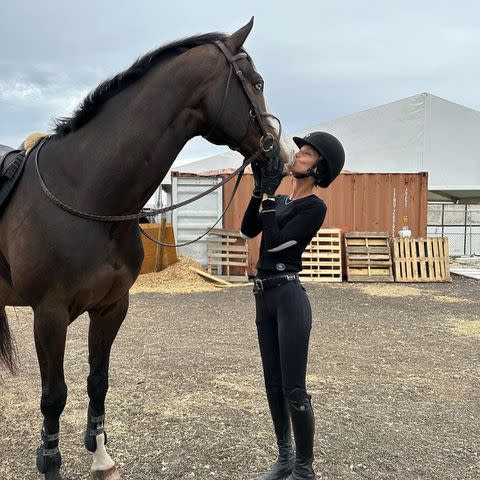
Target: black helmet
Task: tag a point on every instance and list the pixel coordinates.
(329, 148)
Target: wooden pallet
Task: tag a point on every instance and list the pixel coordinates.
(227, 255)
(322, 259)
(421, 259)
(368, 257)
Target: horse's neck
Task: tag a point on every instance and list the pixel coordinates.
(117, 160)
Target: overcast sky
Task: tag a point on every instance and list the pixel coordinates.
(320, 60)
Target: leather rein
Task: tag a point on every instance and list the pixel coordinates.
(268, 144)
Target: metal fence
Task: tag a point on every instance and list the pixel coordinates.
(460, 223)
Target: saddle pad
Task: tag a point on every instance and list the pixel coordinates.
(11, 170)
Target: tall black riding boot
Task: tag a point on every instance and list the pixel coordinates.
(282, 468)
(303, 422)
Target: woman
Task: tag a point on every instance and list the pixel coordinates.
(283, 313)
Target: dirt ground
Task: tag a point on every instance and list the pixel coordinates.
(393, 373)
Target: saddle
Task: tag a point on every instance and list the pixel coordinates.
(12, 163)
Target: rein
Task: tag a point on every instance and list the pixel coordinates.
(136, 216)
(267, 145)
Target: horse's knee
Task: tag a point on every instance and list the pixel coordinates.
(54, 400)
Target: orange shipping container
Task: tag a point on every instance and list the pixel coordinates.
(378, 202)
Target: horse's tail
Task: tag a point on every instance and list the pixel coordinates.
(8, 352)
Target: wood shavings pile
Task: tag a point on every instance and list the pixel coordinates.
(176, 278)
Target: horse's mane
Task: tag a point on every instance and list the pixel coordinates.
(94, 101)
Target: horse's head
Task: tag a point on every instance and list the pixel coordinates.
(234, 104)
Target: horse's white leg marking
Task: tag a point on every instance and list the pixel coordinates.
(101, 459)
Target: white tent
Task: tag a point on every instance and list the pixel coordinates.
(419, 133)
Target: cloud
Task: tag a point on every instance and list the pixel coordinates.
(320, 60)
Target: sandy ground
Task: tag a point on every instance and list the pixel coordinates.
(393, 372)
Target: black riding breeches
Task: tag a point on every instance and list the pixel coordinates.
(284, 321)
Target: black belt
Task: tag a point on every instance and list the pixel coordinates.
(261, 284)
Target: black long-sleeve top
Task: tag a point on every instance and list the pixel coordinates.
(287, 230)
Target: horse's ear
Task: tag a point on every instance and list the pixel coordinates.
(237, 39)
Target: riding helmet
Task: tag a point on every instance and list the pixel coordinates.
(330, 149)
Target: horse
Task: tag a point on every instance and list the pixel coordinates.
(108, 158)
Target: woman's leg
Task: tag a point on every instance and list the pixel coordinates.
(294, 326)
(269, 348)
(266, 322)
(294, 318)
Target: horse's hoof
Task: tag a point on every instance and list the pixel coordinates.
(110, 474)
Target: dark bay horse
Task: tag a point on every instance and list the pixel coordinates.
(108, 159)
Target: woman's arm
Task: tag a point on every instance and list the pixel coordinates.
(301, 227)
(251, 223)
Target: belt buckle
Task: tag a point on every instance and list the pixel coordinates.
(258, 283)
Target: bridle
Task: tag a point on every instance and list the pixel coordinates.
(255, 112)
(269, 146)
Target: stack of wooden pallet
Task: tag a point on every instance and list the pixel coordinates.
(368, 257)
(227, 255)
(322, 259)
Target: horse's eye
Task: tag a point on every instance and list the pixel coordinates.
(259, 87)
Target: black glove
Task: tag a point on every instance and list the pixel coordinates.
(257, 177)
(272, 175)
(269, 204)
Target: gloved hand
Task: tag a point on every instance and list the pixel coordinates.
(269, 204)
(272, 175)
(257, 177)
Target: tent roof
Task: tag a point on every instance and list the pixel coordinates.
(467, 195)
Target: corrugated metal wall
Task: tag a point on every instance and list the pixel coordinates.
(355, 201)
(192, 220)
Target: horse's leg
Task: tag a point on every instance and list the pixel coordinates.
(50, 328)
(104, 325)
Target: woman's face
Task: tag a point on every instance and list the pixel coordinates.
(304, 159)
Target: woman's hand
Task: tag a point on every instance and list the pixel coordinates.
(271, 175)
(268, 204)
(257, 177)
